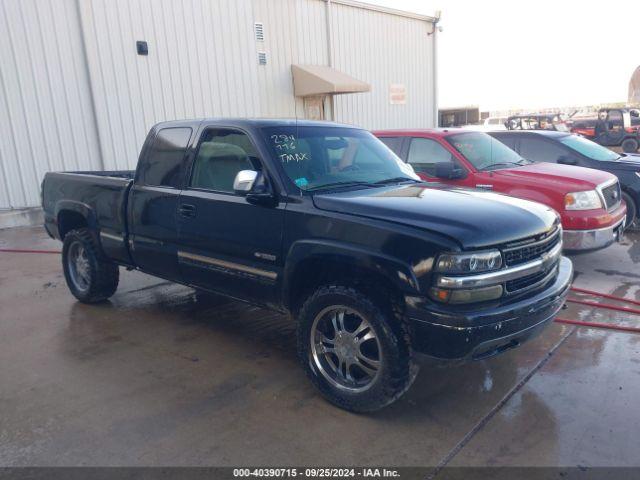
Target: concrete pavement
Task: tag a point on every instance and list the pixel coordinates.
(162, 376)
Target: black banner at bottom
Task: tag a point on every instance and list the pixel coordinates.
(346, 473)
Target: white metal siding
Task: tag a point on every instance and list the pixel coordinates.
(70, 71)
(46, 117)
(383, 49)
(295, 33)
(201, 63)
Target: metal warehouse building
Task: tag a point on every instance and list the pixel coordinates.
(81, 81)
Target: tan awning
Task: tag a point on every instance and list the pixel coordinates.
(320, 80)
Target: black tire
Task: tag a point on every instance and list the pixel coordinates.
(632, 212)
(629, 145)
(396, 369)
(99, 278)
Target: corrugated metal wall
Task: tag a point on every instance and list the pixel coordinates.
(383, 49)
(70, 70)
(46, 115)
(202, 62)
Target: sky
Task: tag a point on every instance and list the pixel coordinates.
(501, 54)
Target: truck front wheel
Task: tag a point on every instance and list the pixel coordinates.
(356, 353)
(90, 277)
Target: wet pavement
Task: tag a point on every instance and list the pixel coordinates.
(161, 375)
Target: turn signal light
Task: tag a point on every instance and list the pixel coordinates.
(471, 295)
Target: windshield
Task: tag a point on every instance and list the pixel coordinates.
(323, 157)
(589, 149)
(485, 152)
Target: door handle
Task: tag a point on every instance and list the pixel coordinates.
(187, 210)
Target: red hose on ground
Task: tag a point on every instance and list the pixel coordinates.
(19, 250)
(606, 326)
(604, 295)
(633, 311)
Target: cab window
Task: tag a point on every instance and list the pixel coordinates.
(425, 153)
(394, 143)
(163, 165)
(540, 150)
(221, 155)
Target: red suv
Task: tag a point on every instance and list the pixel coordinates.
(589, 201)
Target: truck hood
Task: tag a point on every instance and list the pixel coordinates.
(473, 218)
(627, 162)
(560, 178)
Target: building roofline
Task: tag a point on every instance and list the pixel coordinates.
(389, 11)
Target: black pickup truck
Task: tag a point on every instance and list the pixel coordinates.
(324, 222)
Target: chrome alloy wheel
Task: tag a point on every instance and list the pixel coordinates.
(79, 269)
(345, 348)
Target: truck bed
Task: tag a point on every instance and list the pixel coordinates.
(101, 197)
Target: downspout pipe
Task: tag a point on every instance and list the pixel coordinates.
(434, 67)
(329, 33)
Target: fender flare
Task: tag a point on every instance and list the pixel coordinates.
(398, 273)
(78, 207)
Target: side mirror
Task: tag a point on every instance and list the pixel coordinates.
(566, 160)
(448, 171)
(244, 181)
(254, 186)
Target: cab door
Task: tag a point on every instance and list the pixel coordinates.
(228, 244)
(153, 200)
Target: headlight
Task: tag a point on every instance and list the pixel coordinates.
(589, 200)
(469, 262)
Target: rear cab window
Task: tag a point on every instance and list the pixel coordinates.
(163, 165)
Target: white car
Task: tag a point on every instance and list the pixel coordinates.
(495, 123)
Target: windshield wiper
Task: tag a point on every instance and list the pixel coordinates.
(396, 180)
(340, 184)
(488, 167)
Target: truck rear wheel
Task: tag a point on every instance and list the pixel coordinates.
(629, 145)
(354, 352)
(89, 276)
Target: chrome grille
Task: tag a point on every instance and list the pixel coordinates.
(531, 248)
(611, 195)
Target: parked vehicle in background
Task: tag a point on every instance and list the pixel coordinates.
(617, 127)
(570, 149)
(536, 121)
(588, 201)
(495, 123)
(324, 222)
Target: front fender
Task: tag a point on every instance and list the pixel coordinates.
(398, 273)
(536, 196)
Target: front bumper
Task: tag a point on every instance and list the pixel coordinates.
(585, 240)
(445, 333)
